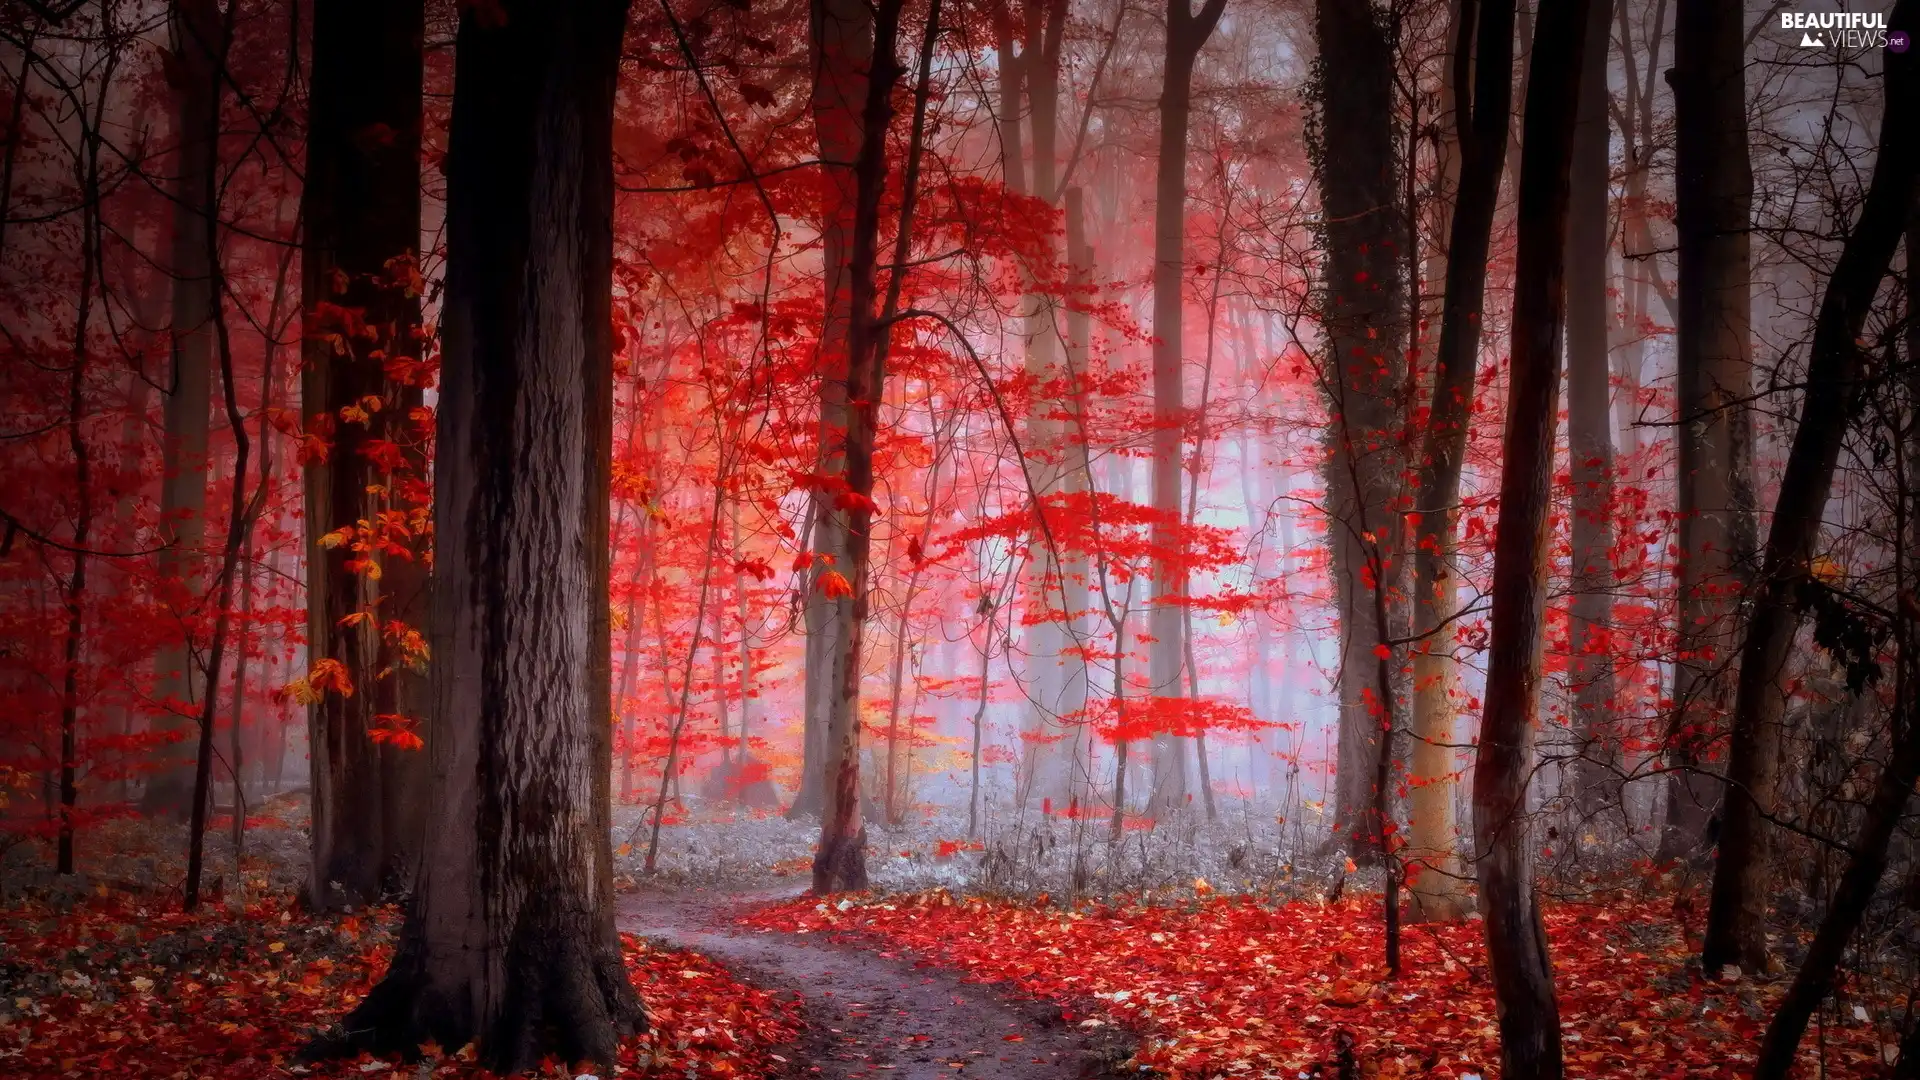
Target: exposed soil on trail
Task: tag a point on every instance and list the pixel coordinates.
(880, 1013)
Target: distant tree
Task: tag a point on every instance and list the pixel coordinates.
(1364, 313)
(1589, 426)
(1187, 32)
(1713, 200)
(198, 48)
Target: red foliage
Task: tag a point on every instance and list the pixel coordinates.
(1231, 987)
(115, 989)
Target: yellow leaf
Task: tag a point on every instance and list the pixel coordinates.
(337, 537)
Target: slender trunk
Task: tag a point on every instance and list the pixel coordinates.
(1713, 196)
(745, 754)
(1187, 32)
(979, 723)
(76, 591)
(671, 769)
(1482, 107)
(199, 53)
(895, 808)
(236, 713)
(1742, 882)
(1120, 747)
(1589, 442)
(241, 513)
(1074, 593)
(1517, 959)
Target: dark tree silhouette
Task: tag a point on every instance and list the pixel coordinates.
(1713, 199)
(360, 209)
(1737, 915)
(509, 938)
(1516, 938)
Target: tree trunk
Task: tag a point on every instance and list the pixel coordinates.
(1364, 281)
(76, 590)
(1736, 917)
(1713, 196)
(1077, 793)
(199, 52)
(1187, 31)
(1522, 972)
(509, 939)
(1050, 645)
(1483, 105)
(840, 865)
(1589, 422)
(842, 44)
(361, 212)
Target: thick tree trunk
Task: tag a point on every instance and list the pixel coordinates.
(1483, 103)
(1742, 882)
(1187, 31)
(1713, 188)
(1516, 938)
(1365, 372)
(509, 939)
(199, 57)
(842, 44)
(361, 212)
(1589, 423)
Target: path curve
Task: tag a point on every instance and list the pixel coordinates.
(874, 1014)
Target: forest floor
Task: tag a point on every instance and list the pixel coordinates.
(952, 969)
(1239, 987)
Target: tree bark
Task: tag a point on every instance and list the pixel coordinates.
(840, 865)
(1187, 32)
(1050, 644)
(361, 216)
(1589, 423)
(509, 939)
(1483, 97)
(1742, 881)
(1517, 959)
(1713, 197)
(199, 51)
(842, 45)
(1356, 159)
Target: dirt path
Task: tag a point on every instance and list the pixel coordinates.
(880, 1014)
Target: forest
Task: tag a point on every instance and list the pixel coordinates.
(1038, 539)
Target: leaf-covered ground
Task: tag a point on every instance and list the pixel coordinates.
(1231, 987)
(122, 987)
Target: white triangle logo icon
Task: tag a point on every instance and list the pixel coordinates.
(1808, 41)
